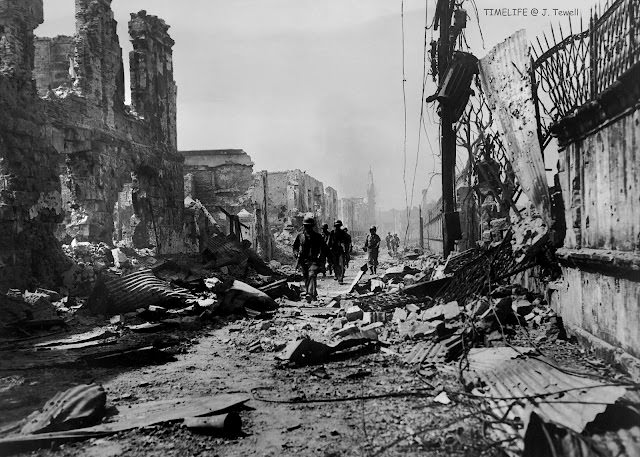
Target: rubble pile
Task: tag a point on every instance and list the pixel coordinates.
(529, 234)
(424, 333)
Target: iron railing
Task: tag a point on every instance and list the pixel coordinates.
(570, 69)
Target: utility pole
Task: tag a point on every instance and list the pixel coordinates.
(421, 221)
(448, 137)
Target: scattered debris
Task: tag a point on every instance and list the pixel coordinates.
(142, 288)
(240, 296)
(519, 382)
(135, 416)
(309, 352)
(78, 407)
(442, 398)
(224, 425)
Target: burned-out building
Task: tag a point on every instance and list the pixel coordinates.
(292, 194)
(79, 156)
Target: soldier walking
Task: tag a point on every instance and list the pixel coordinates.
(338, 248)
(309, 249)
(327, 264)
(372, 247)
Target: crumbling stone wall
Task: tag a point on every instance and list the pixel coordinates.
(30, 203)
(224, 178)
(220, 178)
(153, 90)
(331, 205)
(120, 171)
(98, 58)
(292, 194)
(53, 62)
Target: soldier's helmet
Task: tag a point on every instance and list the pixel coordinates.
(373, 228)
(308, 220)
(325, 226)
(337, 223)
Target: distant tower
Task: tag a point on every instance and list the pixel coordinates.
(371, 199)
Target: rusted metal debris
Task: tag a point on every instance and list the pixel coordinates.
(139, 289)
(518, 381)
(135, 416)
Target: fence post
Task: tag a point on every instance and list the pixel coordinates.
(593, 56)
(632, 33)
(534, 95)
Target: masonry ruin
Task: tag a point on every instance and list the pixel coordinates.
(223, 182)
(76, 161)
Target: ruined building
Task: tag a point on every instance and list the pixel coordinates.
(220, 179)
(79, 156)
(223, 181)
(292, 194)
(331, 205)
(30, 204)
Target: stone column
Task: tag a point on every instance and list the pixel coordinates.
(98, 57)
(153, 90)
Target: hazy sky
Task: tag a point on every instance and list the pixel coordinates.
(311, 84)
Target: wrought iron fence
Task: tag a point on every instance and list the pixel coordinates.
(570, 69)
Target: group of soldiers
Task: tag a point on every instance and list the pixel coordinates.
(329, 251)
(393, 243)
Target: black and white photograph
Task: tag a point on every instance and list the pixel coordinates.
(360, 228)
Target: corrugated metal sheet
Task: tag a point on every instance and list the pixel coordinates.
(435, 351)
(505, 81)
(226, 248)
(135, 290)
(555, 395)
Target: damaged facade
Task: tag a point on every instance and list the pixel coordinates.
(122, 176)
(118, 176)
(223, 181)
(599, 292)
(292, 194)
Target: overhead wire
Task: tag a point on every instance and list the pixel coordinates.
(475, 7)
(421, 119)
(404, 102)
